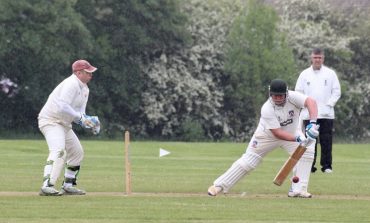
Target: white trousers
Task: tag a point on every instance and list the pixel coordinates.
(262, 144)
(58, 138)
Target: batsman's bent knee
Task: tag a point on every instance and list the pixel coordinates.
(249, 160)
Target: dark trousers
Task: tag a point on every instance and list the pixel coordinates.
(326, 143)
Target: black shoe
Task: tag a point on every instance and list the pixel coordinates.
(313, 169)
(326, 169)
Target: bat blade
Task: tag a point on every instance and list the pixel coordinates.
(289, 165)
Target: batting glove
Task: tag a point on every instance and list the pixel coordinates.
(305, 142)
(312, 130)
(308, 142)
(301, 139)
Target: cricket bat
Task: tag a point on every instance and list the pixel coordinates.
(289, 165)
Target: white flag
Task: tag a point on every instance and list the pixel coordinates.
(163, 152)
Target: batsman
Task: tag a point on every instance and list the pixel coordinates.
(66, 104)
(279, 126)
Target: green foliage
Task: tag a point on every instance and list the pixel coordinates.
(191, 131)
(42, 39)
(135, 28)
(129, 34)
(256, 54)
(309, 24)
(186, 84)
(354, 107)
(165, 62)
(39, 41)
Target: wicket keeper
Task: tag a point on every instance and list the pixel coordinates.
(66, 104)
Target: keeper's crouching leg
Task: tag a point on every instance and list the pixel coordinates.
(74, 158)
(53, 167)
(245, 164)
(70, 176)
(52, 170)
(70, 181)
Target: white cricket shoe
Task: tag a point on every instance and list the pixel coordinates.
(71, 191)
(328, 171)
(48, 191)
(214, 190)
(301, 194)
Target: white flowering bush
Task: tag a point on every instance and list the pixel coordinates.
(307, 24)
(185, 84)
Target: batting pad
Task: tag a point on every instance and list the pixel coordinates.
(238, 170)
(303, 171)
(57, 167)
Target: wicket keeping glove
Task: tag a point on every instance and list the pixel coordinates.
(87, 121)
(96, 129)
(312, 130)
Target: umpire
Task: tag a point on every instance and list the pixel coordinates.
(322, 84)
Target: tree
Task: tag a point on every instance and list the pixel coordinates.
(309, 24)
(256, 54)
(129, 34)
(183, 86)
(355, 105)
(39, 41)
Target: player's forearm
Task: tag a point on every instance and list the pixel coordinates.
(311, 106)
(283, 135)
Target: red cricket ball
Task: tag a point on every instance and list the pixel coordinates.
(295, 179)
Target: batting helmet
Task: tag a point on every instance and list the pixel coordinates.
(278, 87)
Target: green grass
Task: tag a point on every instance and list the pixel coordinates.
(173, 188)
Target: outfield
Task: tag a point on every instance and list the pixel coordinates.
(173, 188)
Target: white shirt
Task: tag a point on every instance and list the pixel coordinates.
(285, 117)
(66, 103)
(323, 86)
